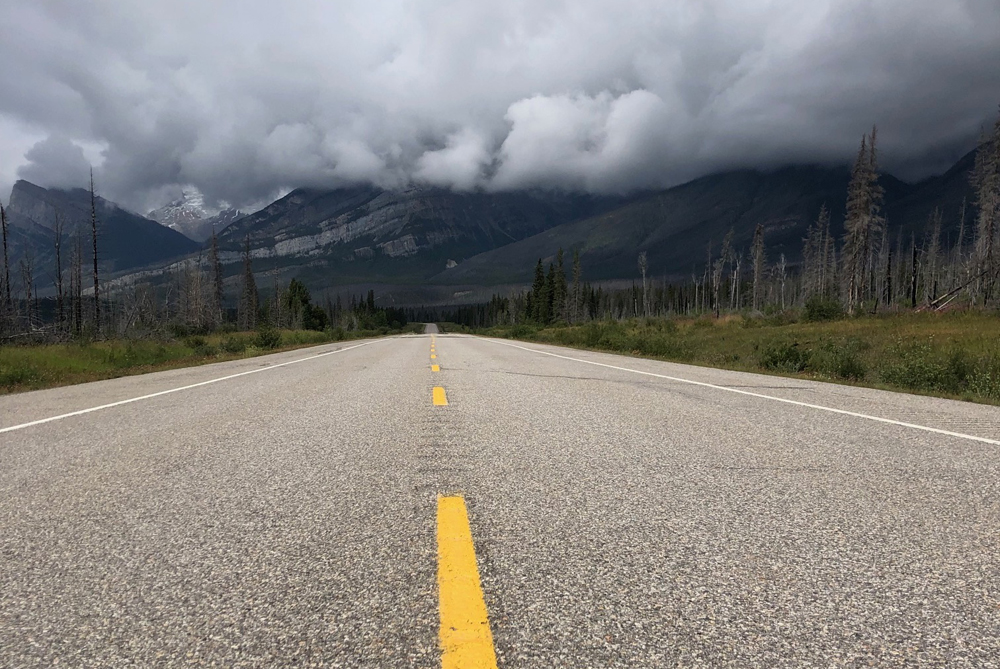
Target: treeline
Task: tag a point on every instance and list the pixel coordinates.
(871, 269)
(192, 300)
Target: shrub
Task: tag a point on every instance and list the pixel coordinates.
(819, 308)
(918, 367)
(785, 358)
(17, 376)
(267, 339)
(984, 379)
(195, 342)
(234, 345)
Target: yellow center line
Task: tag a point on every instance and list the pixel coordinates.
(433, 357)
(435, 368)
(466, 641)
(440, 399)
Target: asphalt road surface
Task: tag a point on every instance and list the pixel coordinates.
(281, 511)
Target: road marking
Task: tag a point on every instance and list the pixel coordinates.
(433, 357)
(177, 390)
(466, 641)
(843, 412)
(439, 397)
(435, 368)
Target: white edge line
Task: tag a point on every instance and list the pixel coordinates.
(844, 412)
(177, 390)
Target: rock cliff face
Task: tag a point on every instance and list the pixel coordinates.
(125, 239)
(386, 235)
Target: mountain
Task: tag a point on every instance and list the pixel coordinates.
(125, 240)
(190, 216)
(446, 245)
(331, 237)
(676, 226)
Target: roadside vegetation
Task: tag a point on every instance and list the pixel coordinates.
(955, 354)
(38, 366)
(871, 308)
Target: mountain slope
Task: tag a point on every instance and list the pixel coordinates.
(125, 240)
(368, 234)
(676, 226)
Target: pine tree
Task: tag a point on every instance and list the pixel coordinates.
(559, 289)
(575, 311)
(248, 292)
(548, 297)
(537, 293)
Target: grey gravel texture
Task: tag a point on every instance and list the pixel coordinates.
(286, 518)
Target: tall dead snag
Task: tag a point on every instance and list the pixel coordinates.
(93, 233)
(6, 263)
(248, 292)
(986, 180)
(757, 249)
(76, 283)
(217, 286)
(643, 266)
(28, 282)
(932, 253)
(60, 314)
(863, 222)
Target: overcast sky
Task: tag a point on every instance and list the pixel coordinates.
(246, 99)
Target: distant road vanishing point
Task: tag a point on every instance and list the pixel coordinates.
(453, 501)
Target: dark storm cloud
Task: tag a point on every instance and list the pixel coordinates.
(245, 99)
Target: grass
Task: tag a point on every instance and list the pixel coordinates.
(32, 367)
(953, 355)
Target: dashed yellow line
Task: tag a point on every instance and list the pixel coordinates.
(435, 368)
(466, 640)
(433, 357)
(439, 397)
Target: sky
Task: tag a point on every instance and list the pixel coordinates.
(245, 100)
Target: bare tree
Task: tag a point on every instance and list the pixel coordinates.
(76, 283)
(217, 285)
(93, 233)
(6, 261)
(643, 266)
(60, 305)
(863, 222)
(757, 249)
(932, 251)
(986, 179)
(28, 284)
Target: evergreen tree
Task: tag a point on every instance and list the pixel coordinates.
(537, 293)
(559, 289)
(248, 304)
(576, 297)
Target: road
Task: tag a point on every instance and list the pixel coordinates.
(289, 510)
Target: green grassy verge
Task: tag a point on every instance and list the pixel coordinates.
(949, 355)
(48, 365)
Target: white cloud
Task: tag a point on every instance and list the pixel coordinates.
(243, 99)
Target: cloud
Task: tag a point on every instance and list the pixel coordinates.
(56, 162)
(459, 165)
(245, 99)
